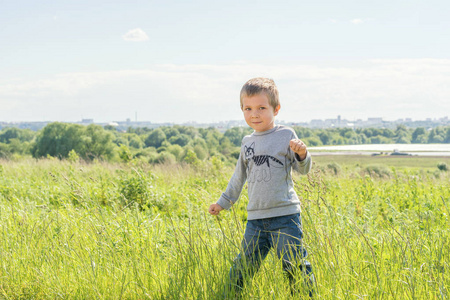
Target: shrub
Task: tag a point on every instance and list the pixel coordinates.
(137, 187)
(378, 171)
(73, 156)
(442, 166)
(191, 157)
(124, 153)
(334, 167)
(165, 157)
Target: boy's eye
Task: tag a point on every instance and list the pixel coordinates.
(261, 108)
(247, 108)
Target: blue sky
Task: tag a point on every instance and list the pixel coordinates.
(179, 61)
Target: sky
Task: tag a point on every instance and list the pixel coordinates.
(185, 61)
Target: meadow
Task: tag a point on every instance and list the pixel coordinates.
(374, 228)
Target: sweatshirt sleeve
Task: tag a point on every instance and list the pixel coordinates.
(235, 185)
(301, 166)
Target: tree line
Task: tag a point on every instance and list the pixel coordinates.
(182, 143)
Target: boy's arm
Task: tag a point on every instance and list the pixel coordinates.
(235, 185)
(233, 190)
(302, 158)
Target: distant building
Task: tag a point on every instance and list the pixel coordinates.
(375, 120)
(224, 125)
(316, 123)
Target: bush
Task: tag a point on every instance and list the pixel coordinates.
(166, 158)
(124, 153)
(442, 166)
(378, 171)
(4, 151)
(137, 187)
(334, 167)
(191, 157)
(73, 156)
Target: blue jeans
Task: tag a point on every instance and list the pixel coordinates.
(282, 233)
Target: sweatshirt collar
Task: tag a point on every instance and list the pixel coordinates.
(267, 131)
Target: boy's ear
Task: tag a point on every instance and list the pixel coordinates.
(275, 111)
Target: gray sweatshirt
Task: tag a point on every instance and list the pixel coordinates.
(265, 162)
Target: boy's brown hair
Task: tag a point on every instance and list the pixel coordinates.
(259, 85)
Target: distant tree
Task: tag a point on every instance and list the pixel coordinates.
(338, 140)
(57, 139)
(201, 152)
(8, 134)
(188, 130)
(419, 135)
(155, 138)
(120, 139)
(362, 139)
(204, 131)
(96, 143)
(326, 137)
(181, 139)
(135, 141)
(4, 151)
(212, 138)
(346, 132)
(22, 135)
(110, 128)
(176, 150)
(170, 131)
(226, 147)
(351, 137)
(303, 132)
(313, 141)
(402, 135)
(18, 146)
(447, 135)
(437, 135)
(377, 131)
(379, 139)
(236, 134)
(138, 130)
(199, 146)
(388, 133)
(368, 132)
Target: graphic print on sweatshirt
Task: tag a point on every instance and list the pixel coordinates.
(261, 171)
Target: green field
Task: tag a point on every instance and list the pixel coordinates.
(375, 228)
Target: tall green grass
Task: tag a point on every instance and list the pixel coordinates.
(105, 231)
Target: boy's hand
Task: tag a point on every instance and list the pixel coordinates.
(215, 209)
(298, 147)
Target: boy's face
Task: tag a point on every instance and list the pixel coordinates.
(258, 113)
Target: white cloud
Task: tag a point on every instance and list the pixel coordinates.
(135, 35)
(357, 21)
(392, 89)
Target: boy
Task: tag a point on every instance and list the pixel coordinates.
(265, 162)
